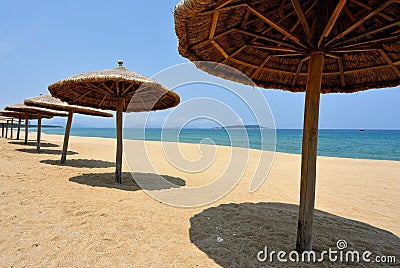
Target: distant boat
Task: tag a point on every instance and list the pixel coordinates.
(362, 129)
(241, 127)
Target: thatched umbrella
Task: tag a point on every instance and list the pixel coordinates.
(316, 46)
(113, 90)
(49, 102)
(26, 116)
(39, 112)
(3, 121)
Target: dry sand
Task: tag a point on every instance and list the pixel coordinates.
(76, 216)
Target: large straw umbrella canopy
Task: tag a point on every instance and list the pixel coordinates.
(49, 102)
(115, 90)
(22, 115)
(318, 46)
(39, 112)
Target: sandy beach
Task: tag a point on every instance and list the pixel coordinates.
(76, 216)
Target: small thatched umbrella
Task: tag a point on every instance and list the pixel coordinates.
(26, 116)
(49, 102)
(113, 90)
(39, 112)
(6, 122)
(319, 46)
(3, 121)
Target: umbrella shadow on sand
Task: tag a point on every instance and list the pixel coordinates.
(149, 181)
(80, 163)
(233, 235)
(33, 143)
(44, 151)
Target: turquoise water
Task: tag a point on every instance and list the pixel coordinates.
(369, 144)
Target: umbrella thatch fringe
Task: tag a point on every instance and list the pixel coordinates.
(22, 115)
(102, 89)
(20, 107)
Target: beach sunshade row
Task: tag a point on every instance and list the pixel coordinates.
(27, 115)
(49, 102)
(21, 107)
(22, 115)
(39, 113)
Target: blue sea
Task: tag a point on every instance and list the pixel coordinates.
(368, 144)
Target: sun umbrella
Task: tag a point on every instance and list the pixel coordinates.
(113, 90)
(3, 121)
(49, 102)
(26, 116)
(39, 112)
(319, 46)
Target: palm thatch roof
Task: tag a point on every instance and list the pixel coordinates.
(49, 102)
(20, 107)
(271, 41)
(101, 89)
(22, 115)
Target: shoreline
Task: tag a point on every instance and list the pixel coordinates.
(71, 135)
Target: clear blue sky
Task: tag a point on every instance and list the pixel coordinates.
(44, 41)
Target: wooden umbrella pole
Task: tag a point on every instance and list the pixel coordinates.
(11, 132)
(309, 153)
(39, 130)
(26, 130)
(7, 129)
(118, 170)
(19, 128)
(66, 137)
(2, 130)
